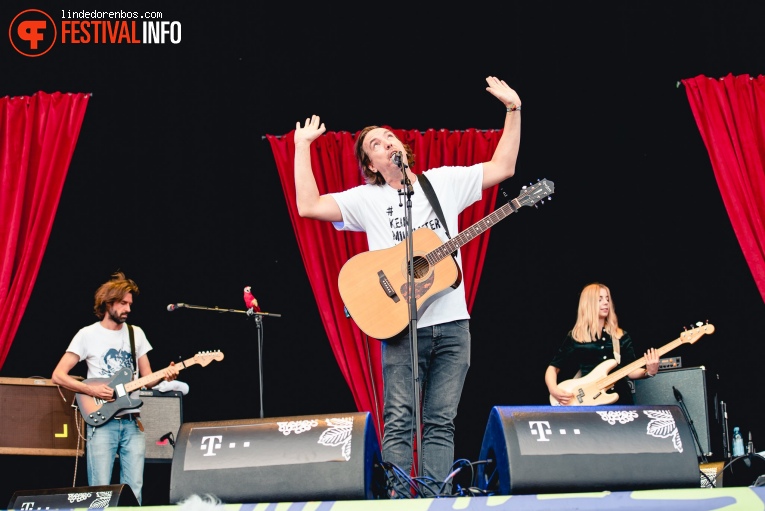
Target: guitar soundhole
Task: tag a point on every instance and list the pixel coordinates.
(421, 267)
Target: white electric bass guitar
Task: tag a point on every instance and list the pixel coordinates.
(592, 390)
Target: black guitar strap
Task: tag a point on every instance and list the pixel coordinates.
(132, 350)
(135, 366)
(433, 198)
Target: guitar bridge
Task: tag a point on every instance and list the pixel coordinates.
(385, 284)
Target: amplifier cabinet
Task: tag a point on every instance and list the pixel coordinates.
(161, 416)
(38, 419)
(691, 385)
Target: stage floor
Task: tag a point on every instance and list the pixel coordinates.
(701, 499)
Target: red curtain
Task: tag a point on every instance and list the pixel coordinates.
(38, 135)
(325, 250)
(730, 114)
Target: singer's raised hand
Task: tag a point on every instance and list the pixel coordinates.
(503, 92)
(309, 132)
(310, 203)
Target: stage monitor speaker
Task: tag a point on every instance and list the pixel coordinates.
(86, 497)
(311, 457)
(37, 418)
(161, 416)
(563, 449)
(691, 382)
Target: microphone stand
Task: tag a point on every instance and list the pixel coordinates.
(407, 191)
(725, 441)
(679, 398)
(258, 322)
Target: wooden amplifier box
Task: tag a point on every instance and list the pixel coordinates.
(37, 418)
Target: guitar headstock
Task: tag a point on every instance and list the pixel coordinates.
(693, 335)
(205, 357)
(539, 191)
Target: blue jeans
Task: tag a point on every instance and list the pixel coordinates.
(104, 442)
(444, 359)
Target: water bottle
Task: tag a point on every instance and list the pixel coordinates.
(738, 443)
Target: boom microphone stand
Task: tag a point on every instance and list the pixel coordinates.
(407, 191)
(679, 398)
(258, 322)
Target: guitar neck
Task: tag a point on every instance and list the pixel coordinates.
(151, 378)
(612, 378)
(473, 231)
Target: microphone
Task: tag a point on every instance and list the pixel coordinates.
(397, 158)
(678, 395)
(173, 306)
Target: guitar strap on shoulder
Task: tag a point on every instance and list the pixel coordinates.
(433, 199)
(132, 350)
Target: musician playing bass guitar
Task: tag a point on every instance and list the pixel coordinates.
(106, 347)
(595, 339)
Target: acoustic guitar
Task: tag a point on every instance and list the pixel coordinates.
(374, 284)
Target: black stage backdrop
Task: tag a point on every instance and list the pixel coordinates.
(173, 183)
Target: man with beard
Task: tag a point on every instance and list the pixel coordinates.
(106, 347)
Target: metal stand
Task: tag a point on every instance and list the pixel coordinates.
(407, 191)
(689, 420)
(258, 322)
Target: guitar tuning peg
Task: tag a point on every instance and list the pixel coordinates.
(699, 323)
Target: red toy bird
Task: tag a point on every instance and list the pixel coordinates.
(250, 301)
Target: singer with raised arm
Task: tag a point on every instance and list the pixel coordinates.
(443, 330)
(595, 342)
(110, 346)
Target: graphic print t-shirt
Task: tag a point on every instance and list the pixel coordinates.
(106, 351)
